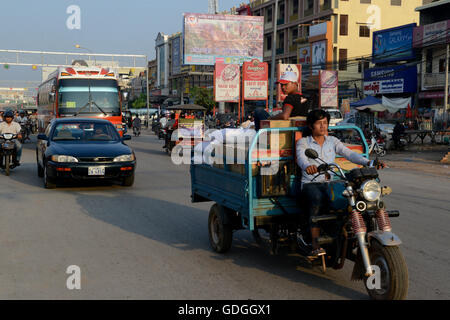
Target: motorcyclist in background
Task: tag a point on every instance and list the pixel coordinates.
(137, 125)
(10, 126)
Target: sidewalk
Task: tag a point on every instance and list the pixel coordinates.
(417, 157)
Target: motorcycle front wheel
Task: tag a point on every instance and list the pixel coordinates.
(393, 272)
(381, 152)
(7, 164)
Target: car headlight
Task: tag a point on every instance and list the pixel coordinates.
(124, 158)
(62, 158)
(371, 190)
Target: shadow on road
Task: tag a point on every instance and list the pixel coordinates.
(185, 228)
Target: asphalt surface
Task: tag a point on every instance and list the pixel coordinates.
(150, 242)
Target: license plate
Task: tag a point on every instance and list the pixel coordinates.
(96, 171)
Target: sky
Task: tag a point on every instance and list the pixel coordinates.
(106, 26)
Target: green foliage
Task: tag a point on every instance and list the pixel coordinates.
(203, 97)
(140, 102)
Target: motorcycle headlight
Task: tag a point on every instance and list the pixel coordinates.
(371, 190)
(62, 158)
(124, 158)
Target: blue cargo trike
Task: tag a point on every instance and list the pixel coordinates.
(264, 197)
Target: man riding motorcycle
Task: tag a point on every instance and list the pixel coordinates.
(10, 126)
(315, 189)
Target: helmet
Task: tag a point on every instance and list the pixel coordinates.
(9, 114)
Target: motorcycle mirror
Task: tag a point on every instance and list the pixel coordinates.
(311, 153)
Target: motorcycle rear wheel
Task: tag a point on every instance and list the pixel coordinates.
(393, 270)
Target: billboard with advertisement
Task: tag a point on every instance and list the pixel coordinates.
(282, 68)
(256, 80)
(176, 55)
(229, 39)
(432, 34)
(328, 88)
(396, 79)
(318, 56)
(393, 44)
(304, 54)
(227, 79)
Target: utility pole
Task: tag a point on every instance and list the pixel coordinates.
(272, 69)
(362, 77)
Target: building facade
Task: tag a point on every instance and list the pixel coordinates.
(350, 25)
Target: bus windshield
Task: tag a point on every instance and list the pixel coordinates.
(73, 97)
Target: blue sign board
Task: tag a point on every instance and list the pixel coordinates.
(397, 79)
(393, 44)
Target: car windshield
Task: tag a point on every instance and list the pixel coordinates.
(73, 97)
(335, 115)
(85, 131)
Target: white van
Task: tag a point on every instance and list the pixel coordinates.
(336, 116)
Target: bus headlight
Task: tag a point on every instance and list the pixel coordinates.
(63, 158)
(371, 190)
(124, 158)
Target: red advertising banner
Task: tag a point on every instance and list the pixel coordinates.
(281, 68)
(328, 85)
(256, 80)
(227, 79)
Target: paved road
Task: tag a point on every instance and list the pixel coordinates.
(150, 242)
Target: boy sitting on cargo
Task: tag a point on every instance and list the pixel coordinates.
(293, 106)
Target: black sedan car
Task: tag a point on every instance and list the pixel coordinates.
(81, 149)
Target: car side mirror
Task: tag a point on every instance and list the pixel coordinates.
(42, 136)
(311, 153)
(126, 137)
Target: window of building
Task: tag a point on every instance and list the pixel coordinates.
(343, 25)
(364, 31)
(295, 7)
(281, 12)
(325, 5)
(343, 59)
(365, 1)
(396, 2)
(308, 7)
(269, 42)
(269, 14)
(294, 35)
(429, 61)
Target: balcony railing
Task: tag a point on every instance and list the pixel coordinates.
(434, 80)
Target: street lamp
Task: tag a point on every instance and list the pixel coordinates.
(90, 51)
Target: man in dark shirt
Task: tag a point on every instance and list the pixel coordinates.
(293, 105)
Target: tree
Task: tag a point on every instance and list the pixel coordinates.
(203, 97)
(140, 102)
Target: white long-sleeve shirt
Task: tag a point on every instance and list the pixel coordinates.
(327, 152)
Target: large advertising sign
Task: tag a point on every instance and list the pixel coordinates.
(227, 79)
(304, 55)
(432, 34)
(228, 39)
(328, 89)
(256, 80)
(393, 44)
(176, 55)
(319, 56)
(397, 79)
(282, 68)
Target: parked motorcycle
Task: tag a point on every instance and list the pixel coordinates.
(7, 152)
(377, 145)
